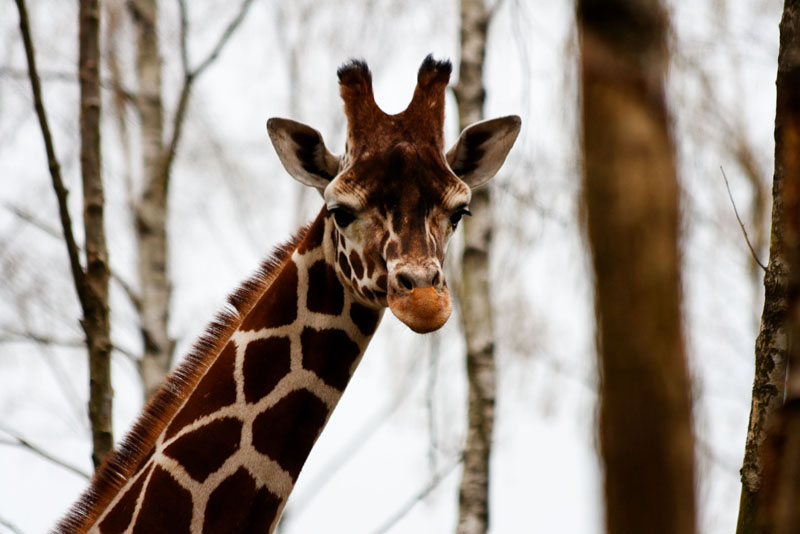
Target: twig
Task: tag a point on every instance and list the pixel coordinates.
(741, 224)
(34, 221)
(25, 444)
(55, 170)
(70, 77)
(8, 335)
(424, 492)
(190, 75)
(10, 526)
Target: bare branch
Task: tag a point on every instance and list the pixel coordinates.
(10, 526)
(741, 224)
(25, 444)
(8, 335)
(184, 45)
(223, 40)
(55, 169)
(191, 75)
(61, 76)
(53, 232)
(420, 495)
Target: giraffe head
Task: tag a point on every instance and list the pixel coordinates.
(396, 196)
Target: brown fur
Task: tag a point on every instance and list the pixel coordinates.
(137, 446)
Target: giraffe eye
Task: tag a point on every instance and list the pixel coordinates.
(342, 216)
(456, 217)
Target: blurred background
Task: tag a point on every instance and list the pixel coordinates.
(388, 460)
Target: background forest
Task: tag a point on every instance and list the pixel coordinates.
(389, 460)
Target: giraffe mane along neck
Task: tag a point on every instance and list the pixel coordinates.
(134, 450)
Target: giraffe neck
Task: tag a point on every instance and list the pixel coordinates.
(229, 457)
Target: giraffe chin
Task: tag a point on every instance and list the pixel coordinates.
(422, 310)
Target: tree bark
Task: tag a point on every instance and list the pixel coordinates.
(778, 506)
(91, 285)
(772, 341)
(152, 208)
(474, 294)
(96, 314)
(631, 198)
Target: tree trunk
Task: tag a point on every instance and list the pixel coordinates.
(151, 209)
(631, 197)
(779, 502)
(772, 342)
(475, 297)
(95, 314)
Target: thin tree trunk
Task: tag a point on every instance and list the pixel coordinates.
(96, 315)
(631, 196)
(151, 208)
(91, 285)
(772, 341)
(779, 502)
(475, 296)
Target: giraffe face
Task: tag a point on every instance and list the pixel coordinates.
(395, 197)
(393, 214)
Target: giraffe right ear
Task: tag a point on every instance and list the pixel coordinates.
(303, 153)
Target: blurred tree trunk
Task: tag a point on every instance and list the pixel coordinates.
(631, 197)
(779, 500)
(95, 320)
(474, 294)
(772, 342)
(151, 208)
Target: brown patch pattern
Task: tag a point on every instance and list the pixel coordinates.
(325, 293)
(266, 361)
(166, 508)
(120, 516)
(358, 267)
(265, 509)
(278, 306)
(344, 265)
(203, 451)
(330, 354)
(287, 431)
(366, 319)
(230, 505)
(216, 390)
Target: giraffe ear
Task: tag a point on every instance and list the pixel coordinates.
(482, 148)
(303, 153)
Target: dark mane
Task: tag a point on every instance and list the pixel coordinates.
(137, 446)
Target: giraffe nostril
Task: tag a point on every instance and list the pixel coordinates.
(405, 281)
(435, 280)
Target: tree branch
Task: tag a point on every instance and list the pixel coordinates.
(10, 526)
(741, 224)
(34, 221)
(78, 274)
(19, 441)
(420, 495)
(190, 75)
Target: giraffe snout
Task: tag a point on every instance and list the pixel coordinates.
(410, 277)
(419, 297)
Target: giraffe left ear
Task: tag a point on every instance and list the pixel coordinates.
(482, 148)
(303, 153)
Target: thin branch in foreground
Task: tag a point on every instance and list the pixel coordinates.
(741, 224)
(25, 444)
(55, 169)
(424, 492)
(10, 526)
(34, 221)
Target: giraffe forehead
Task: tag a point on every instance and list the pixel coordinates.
(404, 178)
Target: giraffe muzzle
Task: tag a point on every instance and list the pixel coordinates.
(423, 310)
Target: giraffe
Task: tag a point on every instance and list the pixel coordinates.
(220, 446)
